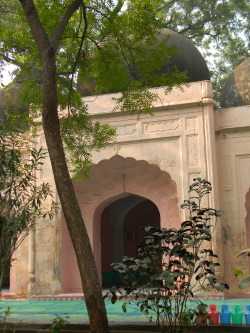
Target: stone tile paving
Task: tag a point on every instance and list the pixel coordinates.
(45, 311)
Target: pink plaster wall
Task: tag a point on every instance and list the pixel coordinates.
(71, 281)
(13, 278)
(107, 241)
(110, 180)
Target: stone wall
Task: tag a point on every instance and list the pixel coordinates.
(155, 157)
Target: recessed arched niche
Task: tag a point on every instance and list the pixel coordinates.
(121, 197)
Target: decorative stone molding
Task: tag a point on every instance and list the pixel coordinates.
(126, 130)
(191, 123)
(162, 126)
(206, 90)
(119, 174)
(193, 151)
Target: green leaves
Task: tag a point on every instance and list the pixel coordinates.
(238, 272)
(245, 251)
(119, 51)
(21, 199)
(244, 283)
(219, 28)
(81, 136)
(58, 323)
(173, 264)
(136, 99)
(119, 41)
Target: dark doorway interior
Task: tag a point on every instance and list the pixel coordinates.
(122, 232)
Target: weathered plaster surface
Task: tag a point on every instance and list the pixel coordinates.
(155, 158)
(233, 150)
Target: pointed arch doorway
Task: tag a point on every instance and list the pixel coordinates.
(122, 231)
(112, 180)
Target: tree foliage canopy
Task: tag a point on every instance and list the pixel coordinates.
(52, 43)
(220, 28)
(102, 44)
(99, 38)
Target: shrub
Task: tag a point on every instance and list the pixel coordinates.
(173, 265)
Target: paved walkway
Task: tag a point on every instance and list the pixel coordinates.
(45, 311)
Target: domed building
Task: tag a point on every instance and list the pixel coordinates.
(237, 88)
(187, 58)
(143, 178)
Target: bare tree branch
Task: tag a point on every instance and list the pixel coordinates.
(35, 24)
(82, 38)
(64, 22)
(84, 14)
(37, 28)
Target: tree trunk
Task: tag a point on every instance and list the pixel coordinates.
(86, 263)
(78, 233)
(1, 278)
(4, 269)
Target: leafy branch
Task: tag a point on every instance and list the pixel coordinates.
(172, 266)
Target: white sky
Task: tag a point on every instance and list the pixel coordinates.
(6, 73)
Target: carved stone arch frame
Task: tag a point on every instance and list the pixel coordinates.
(119, 177)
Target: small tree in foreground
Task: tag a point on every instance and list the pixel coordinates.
(174, 264)
(21, 199)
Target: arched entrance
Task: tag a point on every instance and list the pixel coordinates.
(122, 231)
(112, 180)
